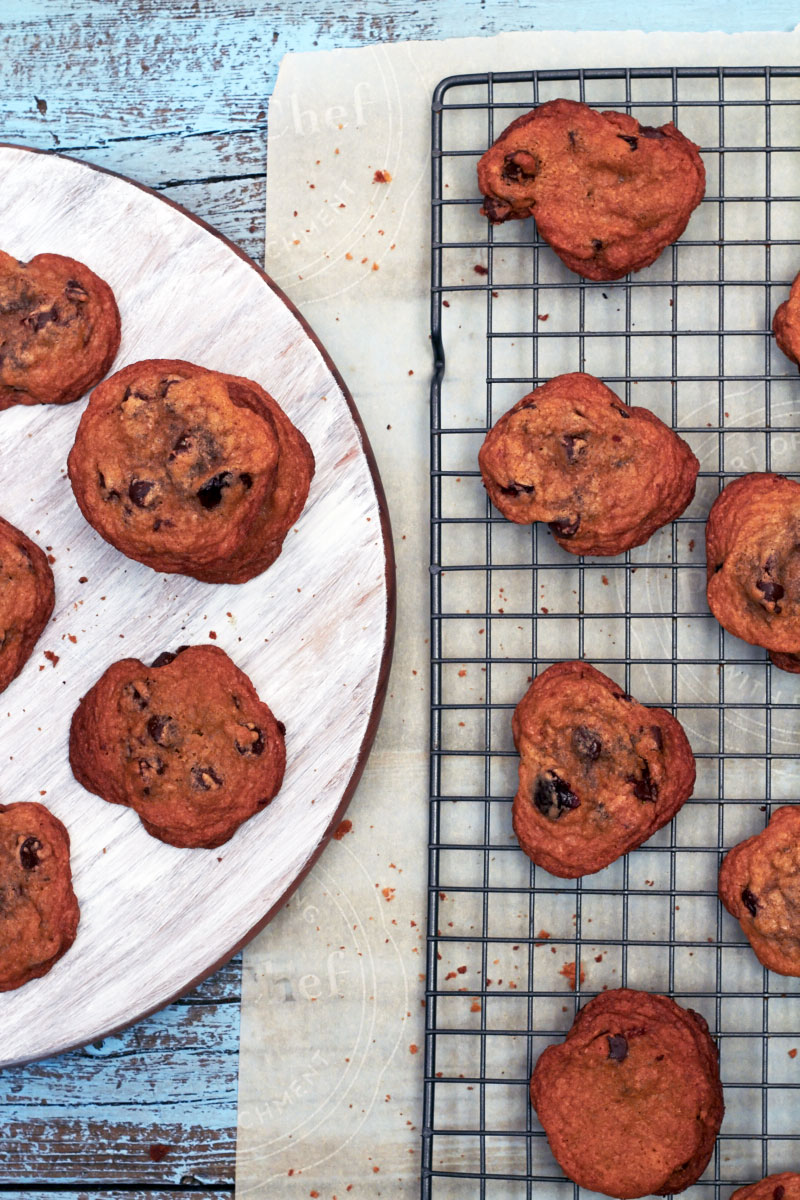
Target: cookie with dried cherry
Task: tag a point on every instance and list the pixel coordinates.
(186, 743)
(59, 329)
(759, 884)
(599, 773)
(631, 1100)
(190, 471)
(39, 912)
(27, 595)
(604, 476)
(607, 193)
(753, 564)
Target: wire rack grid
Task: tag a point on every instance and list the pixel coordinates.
(512, 953)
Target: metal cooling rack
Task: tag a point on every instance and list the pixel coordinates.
(690, 338)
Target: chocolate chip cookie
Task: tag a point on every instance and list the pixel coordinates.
(59, 329)
(785, 1186)
(786, 323)
(190, 471)
(759, 884)
(631, 1101)
(603, 476)
(753, 564)
(27, 595)
(599, 773)
(38, 910)
(607, 193)
(185, 742)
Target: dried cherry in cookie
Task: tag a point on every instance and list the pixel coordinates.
(753, 564)
(186, 743)
(607, 193)
(27, 594)
(604, 477)
(631, 1100)
(190, 471)
(59, 329)
(38, 910)
(598, 774)
(759, 884)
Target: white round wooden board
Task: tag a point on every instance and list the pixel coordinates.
(313, 632)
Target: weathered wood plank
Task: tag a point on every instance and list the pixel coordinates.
(204, 65)
(223, 987)
(106, 1112)
(117, 1153)
(162, 160)
(222, 1192)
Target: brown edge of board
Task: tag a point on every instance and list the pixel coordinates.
(389, 629)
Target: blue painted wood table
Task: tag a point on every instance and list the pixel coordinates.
(174, 93)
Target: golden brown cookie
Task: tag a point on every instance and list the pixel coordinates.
(27, 596)
(759, 884)
(607, 193)
(59, 329)
(186, 743)
(786, 323)
(190, 471)
(631, 1101)
(604, 476)
(599, 773)
(785, 1186)
(38, 910)
(753, 564)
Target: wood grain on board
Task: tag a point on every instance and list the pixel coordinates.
(153, 1106)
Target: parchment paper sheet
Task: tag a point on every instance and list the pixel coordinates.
(332, 1016)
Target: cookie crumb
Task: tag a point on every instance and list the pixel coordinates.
(569, 972)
